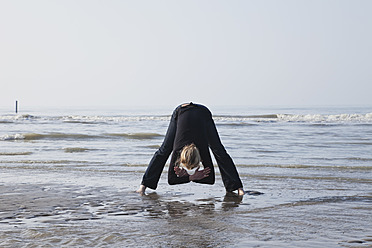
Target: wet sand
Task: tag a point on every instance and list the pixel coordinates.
(42, 209)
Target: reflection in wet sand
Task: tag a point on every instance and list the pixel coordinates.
(69, 215)
(231, 200)
(192, 224)
(84, 214)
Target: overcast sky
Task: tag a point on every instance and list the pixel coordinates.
(159, 53)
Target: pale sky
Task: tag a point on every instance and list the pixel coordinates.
(159, 53)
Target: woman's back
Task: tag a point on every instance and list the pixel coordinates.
(191, 127)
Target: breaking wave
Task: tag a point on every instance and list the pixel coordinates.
(81, 119)
(51, 136)
(327, 118)
(12, 137)
(310, 118)
(71, 136)
(139, 136)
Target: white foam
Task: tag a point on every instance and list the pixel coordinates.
(367, 118)
(12, 137)
(326, 118)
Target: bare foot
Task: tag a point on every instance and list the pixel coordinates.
(141, 189)
(241, 191)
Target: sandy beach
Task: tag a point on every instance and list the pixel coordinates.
(54, 211)
(82, 210)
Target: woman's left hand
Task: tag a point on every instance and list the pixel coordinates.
(200, 174)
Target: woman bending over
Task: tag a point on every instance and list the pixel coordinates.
(190, 134)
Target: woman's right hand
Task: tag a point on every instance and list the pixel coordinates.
(200, 174)
(180, 172)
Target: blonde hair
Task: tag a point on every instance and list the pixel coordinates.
(190, 156)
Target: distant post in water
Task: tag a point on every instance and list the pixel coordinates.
(16, 107)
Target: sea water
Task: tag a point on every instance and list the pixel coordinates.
(68, 176)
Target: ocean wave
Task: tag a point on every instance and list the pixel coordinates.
(105, 119)
(240, 119)
(359, 159)
(18, 117)
(326, 118)
(73, 136)
(82, 122)
(237, 124)
(50, 162)
(83, 119)
(15, 153)
(315, 167)
(314, 119)
(139, 136)
(54, 136)
(7, 137)
(153, 146)
(51, 136)
(76, 149)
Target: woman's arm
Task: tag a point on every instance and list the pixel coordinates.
(198, 175)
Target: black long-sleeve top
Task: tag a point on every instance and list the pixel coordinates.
(192, 123)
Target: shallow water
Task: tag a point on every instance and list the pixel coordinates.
(68, 179)
(102, 210)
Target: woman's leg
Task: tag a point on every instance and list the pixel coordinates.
(152, 175)
(229, 174)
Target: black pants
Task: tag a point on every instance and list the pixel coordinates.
(229, 174)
